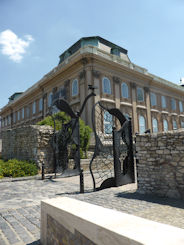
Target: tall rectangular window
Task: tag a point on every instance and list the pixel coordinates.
(27, 112)
(140, 94)
(181, 106)
(163, 102)
(153, 99)
(34, 107)
(14, 117)
(23, 113)
(18, 115)
(173, 104)
(41, 104)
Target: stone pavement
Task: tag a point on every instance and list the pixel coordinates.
(20, 205)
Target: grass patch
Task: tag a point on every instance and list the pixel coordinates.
(15, 168)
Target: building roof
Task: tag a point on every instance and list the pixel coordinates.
(94, 41)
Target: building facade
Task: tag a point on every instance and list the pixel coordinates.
(152, 102)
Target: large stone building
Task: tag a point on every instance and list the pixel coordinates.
(152, 102)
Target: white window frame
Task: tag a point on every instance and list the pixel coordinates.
(153, 99)
(106, 85)
(140, 90)
(164, 104)
(124, 90)
(154, 125)
(75, 87)
(142, 124)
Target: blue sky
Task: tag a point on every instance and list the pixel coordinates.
(34, 33)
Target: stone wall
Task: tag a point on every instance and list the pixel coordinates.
(29, 143)
(160, 163)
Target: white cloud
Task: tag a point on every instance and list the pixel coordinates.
(13, 46)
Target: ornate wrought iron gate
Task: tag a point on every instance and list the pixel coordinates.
(112, 163)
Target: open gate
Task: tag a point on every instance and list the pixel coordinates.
(112, 163)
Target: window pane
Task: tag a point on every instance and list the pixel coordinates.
(182, 124)
(140, 94)
(163, 102)
(173, 104)
(175, 125)
(165, 123)
(40, 104)
(181, 106)
(106, 86)
(124, 90)
(34, 108)
(75, 87)
(18, 115)
(155, 125)
(107, 123)
(153, 99)
(142, 124)
(22, 113)
(50, 100)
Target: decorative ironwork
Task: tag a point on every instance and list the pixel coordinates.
(112, 163)
(68, 138)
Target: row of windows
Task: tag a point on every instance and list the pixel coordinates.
(25, 111)
(108, 124)
(106, 86)
(142, 125)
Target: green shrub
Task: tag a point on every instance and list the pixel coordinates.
(85, 131)
(15, 168)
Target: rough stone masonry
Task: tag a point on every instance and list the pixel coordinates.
(160, 163)
(29, 143)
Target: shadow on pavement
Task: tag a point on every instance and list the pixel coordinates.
(153, 199)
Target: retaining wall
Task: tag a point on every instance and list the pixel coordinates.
(29, 143)
(160, 163)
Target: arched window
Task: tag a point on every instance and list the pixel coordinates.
(153, 99)
(106, 84)
(163, 102)
(165, 124)
(50, 100)
(175, 125)
(124, 90)
(142, 124)
(107, 123)
(75, 87)
(155, 125)
(40, 104)
(140, 94)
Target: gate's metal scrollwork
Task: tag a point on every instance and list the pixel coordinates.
(67, 139)
(112, 163)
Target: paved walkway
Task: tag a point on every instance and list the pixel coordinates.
(20, 205)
